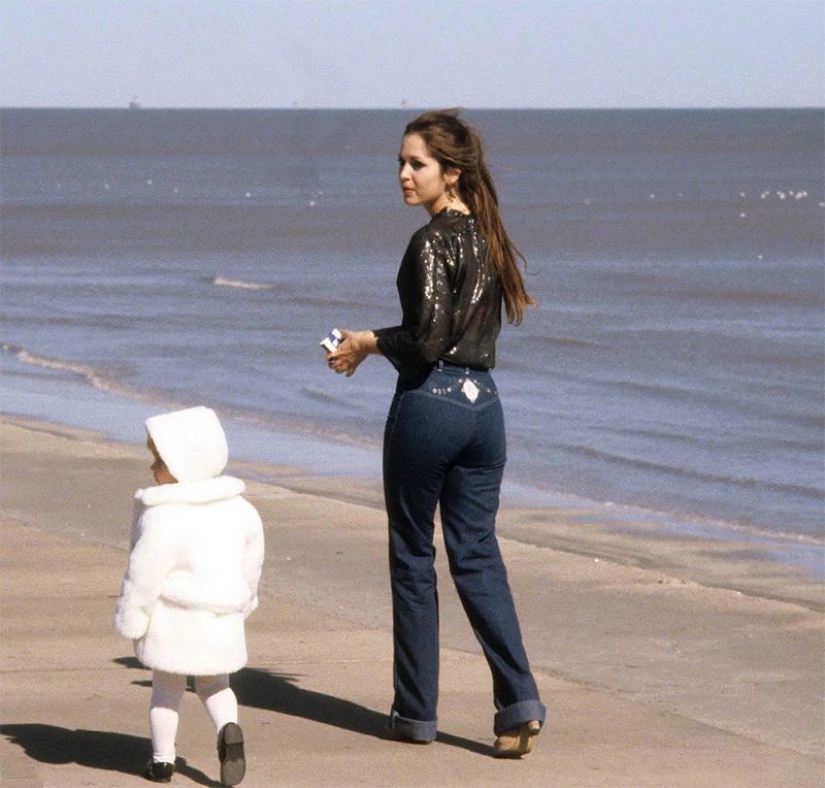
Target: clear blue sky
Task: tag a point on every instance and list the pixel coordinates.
(383, 53)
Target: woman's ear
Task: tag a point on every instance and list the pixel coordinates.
(451, 176)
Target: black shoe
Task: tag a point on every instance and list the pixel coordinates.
(159, 771)
(231, 754)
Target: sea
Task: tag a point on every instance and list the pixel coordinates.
(673, 369)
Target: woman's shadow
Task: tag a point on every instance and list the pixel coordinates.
(256, 688)
(281, 693)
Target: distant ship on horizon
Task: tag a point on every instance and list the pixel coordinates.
(134, 103)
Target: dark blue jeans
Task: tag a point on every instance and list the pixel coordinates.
(444, 444)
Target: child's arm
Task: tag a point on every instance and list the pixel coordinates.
(151, 560)
(253, 560)
(137, 509)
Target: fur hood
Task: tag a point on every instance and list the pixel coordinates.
(191, 442)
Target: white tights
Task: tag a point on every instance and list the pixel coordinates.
(167, 692)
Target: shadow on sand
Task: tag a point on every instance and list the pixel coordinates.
(255, 688)
(104, 750)
(281, 693)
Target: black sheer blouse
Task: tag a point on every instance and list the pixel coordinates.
(450, 299)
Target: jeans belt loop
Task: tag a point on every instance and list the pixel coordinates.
(440, 364)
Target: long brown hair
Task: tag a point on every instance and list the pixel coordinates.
(455, 144)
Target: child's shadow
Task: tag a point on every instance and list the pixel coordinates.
(114, 752)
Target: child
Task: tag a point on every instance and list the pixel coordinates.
(197, 549)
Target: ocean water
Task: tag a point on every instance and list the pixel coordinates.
(159, 259)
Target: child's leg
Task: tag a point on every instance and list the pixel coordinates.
(222, 705)
(218, 698)
(167, 692)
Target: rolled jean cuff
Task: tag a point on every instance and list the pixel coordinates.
(414, 730)
(516, 715)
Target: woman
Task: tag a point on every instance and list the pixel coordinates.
(444, 442)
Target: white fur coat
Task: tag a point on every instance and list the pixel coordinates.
(196, 558)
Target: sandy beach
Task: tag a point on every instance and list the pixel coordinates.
(663, 661)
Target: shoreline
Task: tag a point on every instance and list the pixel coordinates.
(320, 448)
(644, 666)
(781, 568)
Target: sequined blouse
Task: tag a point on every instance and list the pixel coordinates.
(450, 299)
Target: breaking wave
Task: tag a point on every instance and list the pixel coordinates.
(240, 284)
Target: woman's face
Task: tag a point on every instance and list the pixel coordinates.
(423, 182)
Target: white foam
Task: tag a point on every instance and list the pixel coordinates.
(240, 284)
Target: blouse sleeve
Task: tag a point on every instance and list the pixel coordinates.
(425, 290)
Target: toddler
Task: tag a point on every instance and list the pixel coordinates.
(197, 550)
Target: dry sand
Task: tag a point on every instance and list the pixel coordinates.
(678, 663)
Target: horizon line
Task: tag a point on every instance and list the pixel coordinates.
(412, 108)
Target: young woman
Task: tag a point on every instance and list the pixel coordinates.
(444, 443)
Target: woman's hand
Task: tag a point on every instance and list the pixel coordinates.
(354, 348)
